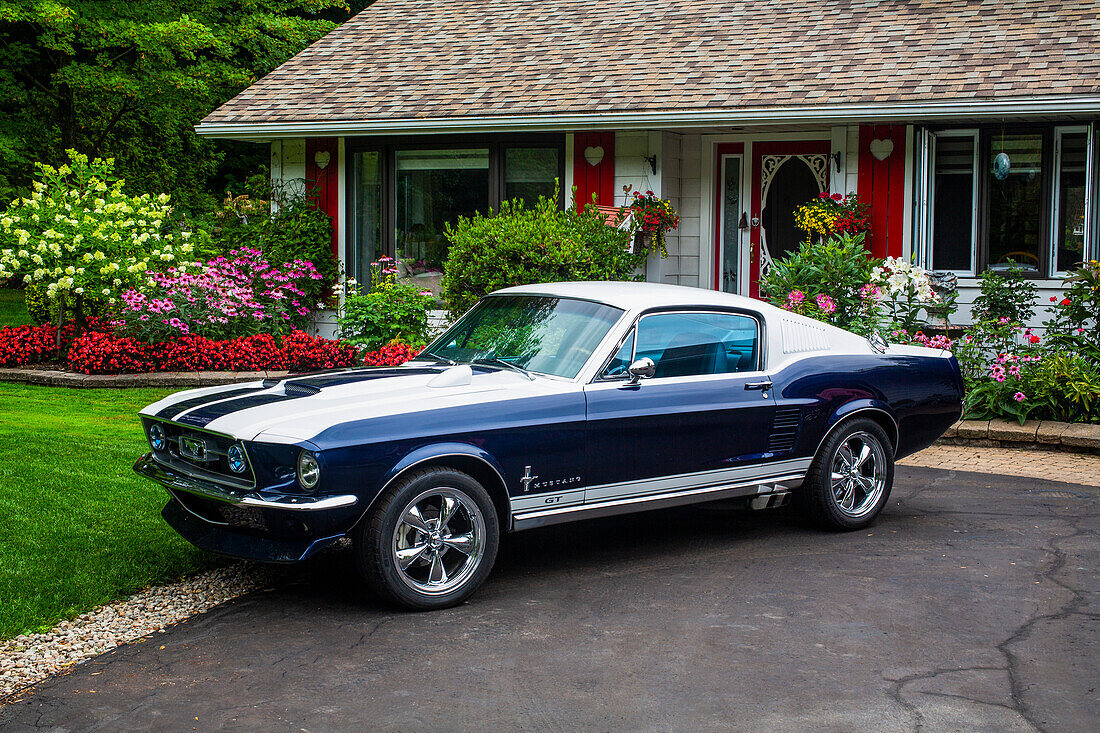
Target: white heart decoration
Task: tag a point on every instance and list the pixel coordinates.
(881, 149)
(593, 155)
(322, 158)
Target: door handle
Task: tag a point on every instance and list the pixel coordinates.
(765, 385)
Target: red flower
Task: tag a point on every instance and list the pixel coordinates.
(1053, 299)
(1066, 301)
(1034, 339)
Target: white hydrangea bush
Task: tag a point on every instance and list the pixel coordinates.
(905, 290)
(80, 235)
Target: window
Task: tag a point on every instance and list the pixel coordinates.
(530, 173)
(689, 344)
(998, 197)
(405, 191)
(434, 188)
(955, 231)
(1070, 183)
(1015, 215)
(367, 207)
(546, 335)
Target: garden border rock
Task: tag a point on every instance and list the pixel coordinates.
(1033, 434)
(58, 378)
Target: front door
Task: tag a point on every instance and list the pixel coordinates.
(785, 175)
(704, 419)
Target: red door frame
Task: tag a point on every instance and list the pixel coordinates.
(759, 150)
(719, 150)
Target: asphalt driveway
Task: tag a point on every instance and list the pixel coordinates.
(971, 605)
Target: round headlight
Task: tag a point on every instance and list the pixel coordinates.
(309, 472)
(156, 437)
(237, 461)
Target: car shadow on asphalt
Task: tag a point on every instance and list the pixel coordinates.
(584, 547)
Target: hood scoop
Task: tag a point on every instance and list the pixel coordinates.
(456, 376)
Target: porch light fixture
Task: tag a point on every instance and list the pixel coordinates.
(652, 160)
(836, 160)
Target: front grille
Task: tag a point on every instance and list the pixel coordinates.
(203, 455)
(784, 430)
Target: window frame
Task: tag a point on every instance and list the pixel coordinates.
(387, 148)
(1052, 246)
(1050, 163)
(761, 343)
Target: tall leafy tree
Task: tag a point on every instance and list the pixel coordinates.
(129, 79)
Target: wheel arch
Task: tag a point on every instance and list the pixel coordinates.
(469, 459)
(872, 410)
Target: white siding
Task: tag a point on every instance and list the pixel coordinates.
(288, 165)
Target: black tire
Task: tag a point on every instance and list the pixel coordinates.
(817, 499)
(389, 529)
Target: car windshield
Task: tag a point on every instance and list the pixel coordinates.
(536, 333)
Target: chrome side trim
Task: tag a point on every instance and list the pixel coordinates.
(699, 480)
(171, 479)
(546, 517)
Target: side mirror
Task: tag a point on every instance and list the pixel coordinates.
(643, 368)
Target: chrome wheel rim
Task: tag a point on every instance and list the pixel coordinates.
(858, 475)
(439, 541)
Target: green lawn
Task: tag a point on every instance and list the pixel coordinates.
(12, 310)
(78, 528)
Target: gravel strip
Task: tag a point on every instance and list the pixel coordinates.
(28, 658)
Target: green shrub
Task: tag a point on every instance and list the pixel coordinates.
(1075, 320)
(388, 311)
(1010, 296)
(518, 245)
(837, 267)
(1056, 385)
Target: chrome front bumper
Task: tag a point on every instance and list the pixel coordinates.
(172, 478)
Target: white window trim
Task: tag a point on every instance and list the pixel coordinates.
(929, 165)
(1056, 190)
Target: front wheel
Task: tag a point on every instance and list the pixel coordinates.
(850, 478)
(430, 541)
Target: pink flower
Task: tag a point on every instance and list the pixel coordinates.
(795, 298)
(1019, 396)
(826, 304)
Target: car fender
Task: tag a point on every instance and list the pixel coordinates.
(440, 452)
(864, 405)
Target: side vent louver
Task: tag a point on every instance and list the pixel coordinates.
(784, 430)
(294, 389)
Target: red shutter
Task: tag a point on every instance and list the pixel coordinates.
(322, 182)
(881, 183)
(596, 179)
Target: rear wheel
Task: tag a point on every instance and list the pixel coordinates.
(430, 541)
(850, 478)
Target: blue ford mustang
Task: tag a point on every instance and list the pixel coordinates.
(545, 404)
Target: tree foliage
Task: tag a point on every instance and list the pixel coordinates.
(129, 80)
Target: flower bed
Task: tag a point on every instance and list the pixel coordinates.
(102, 352)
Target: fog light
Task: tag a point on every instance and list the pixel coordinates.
(237, 461)
(156, 437)
(309, 472)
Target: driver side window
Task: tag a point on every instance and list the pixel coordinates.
(693, 344)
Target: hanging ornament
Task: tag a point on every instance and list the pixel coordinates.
(1002, 164)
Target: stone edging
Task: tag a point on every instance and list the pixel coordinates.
(53, 378)
(1041, 434)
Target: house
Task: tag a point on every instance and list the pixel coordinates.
(970, 127)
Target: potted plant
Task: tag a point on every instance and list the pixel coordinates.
(831, 213)
(653, 216)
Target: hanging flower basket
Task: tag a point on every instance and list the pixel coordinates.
(653, 216)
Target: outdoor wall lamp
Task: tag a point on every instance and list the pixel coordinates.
(836, 160)
(652, 160)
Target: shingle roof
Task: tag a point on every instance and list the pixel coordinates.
(408, 59)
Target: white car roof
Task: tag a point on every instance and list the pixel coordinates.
(633, 296)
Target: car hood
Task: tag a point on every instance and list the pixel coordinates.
(297, 409)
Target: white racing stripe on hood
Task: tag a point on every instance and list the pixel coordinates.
(303, 418)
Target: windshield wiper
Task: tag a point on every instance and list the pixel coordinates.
(494, 361)
(438, 359)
